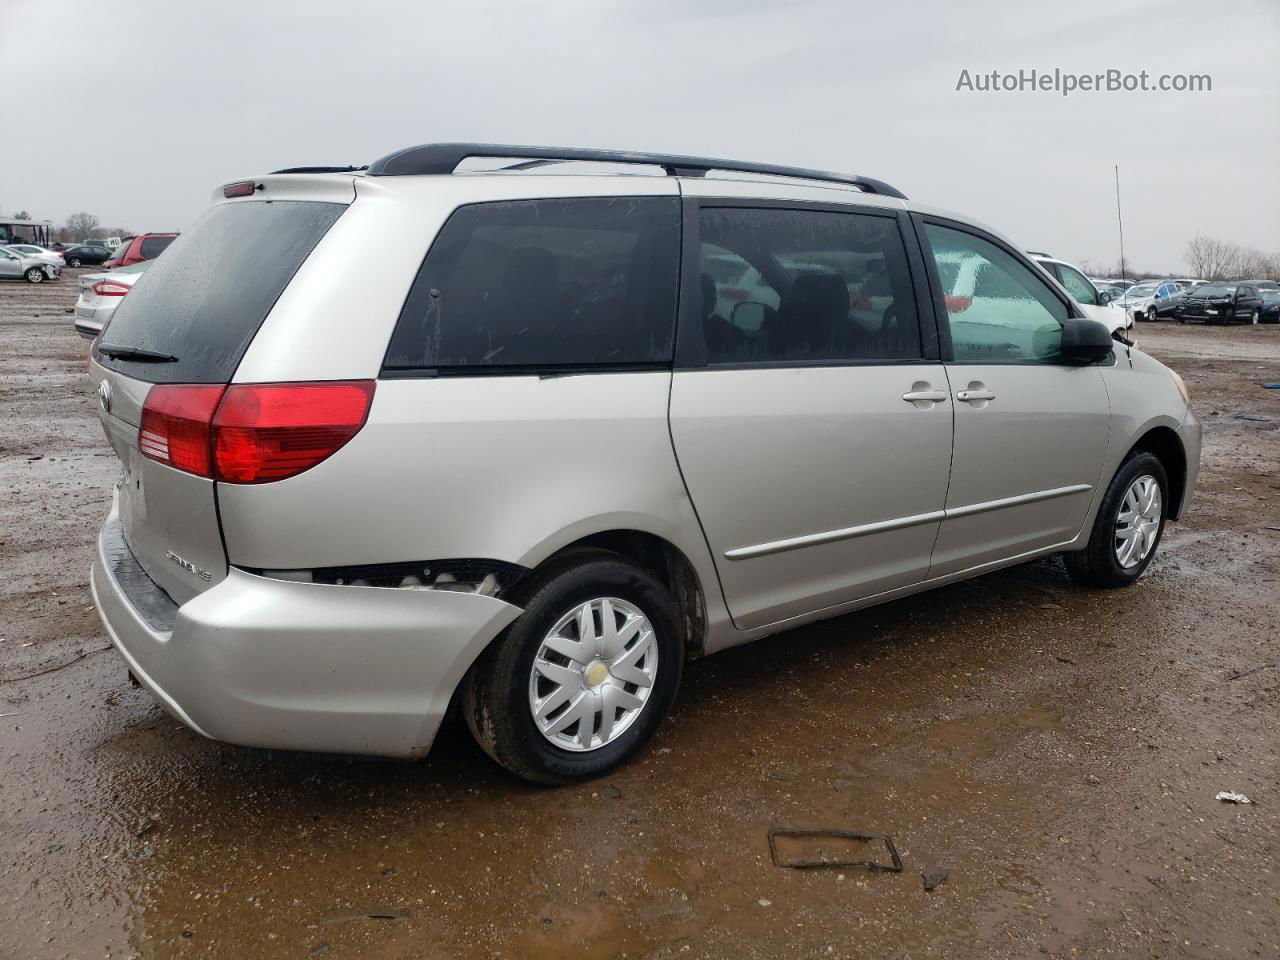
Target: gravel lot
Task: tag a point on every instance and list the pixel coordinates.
(1057, 749)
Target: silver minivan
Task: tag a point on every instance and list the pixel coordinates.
(522, 440)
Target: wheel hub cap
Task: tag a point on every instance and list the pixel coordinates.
(593, 674)
(1138, 522)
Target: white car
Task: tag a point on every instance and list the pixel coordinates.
(19, 266)
(100, 294)
(1084, 292)
(1150, 300)
(41, 254)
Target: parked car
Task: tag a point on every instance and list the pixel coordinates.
(1096, 303)
(50, 262)
(19, 266)
(86, 253)
(1264, 284)
(1150, 300)
(1221, 303)
(1270, 305)
(145, 246)
(518, 485)
(100, 294)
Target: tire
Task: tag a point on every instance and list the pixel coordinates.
(501, 689)
(1255, 317)
(1151, 314)
(35, 275)
(73, 262)
(1099, 564)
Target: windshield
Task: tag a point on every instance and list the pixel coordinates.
(133, 267)
(1216, 290)
(1141, 290)
(1270, 296)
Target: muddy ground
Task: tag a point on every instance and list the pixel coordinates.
(1058, 749)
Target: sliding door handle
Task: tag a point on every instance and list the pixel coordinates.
(936, 396)
(975, 396)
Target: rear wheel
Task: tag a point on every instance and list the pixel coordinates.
(35, 275)
(73, 262)
(1128, 526)
(581, 681)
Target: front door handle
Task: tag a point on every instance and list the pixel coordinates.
(969, 396)
(923, 396)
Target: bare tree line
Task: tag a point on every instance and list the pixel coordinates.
(1207, 258)
(80, 226)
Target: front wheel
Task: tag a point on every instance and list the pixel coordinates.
(1128, 526)
(579, 683)
(1151, 314)
(35, 275)
(1255, 317)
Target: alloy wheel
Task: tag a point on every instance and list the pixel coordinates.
(1138, 522)
(592, 674)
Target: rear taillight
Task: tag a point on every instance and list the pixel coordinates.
(251, 433)
(109, 288)
(176, 425)
(265, 432)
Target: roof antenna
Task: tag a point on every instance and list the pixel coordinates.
(1128, 342)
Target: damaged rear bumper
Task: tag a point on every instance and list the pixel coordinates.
(300, 666)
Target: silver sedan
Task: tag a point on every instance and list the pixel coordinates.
(100, 294)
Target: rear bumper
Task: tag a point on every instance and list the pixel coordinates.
(90, 320)
(296, 666)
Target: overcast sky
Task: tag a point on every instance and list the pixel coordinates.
(135, 109)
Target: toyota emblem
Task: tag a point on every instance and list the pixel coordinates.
(104, 396)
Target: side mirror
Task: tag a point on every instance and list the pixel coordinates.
(1085, 340)
(1105, 297)
(748, 315)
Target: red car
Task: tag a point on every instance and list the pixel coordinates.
(145, 246)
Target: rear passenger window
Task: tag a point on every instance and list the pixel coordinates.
(786, 286)
(152, 247)
(998, 309)
(545, 283)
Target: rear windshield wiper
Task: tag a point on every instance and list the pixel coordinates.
(136, 353)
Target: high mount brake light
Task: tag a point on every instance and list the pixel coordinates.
(251, 433)
(242, 188)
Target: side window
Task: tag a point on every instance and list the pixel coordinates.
(1077, 285)
(152, 247)
(787, 286)
(545, 283)
(998, 310)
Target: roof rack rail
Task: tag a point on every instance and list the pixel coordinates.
(319, 170)
(444, 158)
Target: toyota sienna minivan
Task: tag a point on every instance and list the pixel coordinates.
(520, 439)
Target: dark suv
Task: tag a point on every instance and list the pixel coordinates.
(145, 246)
(1220, 303)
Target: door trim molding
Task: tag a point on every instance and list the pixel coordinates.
(830, 536)
(899, 523)
(988, 505)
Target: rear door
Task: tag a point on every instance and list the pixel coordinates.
(184, 327)
(809, 412)
(1031, 431)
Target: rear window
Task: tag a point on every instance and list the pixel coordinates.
(203, 301)
(154, 246)
(575, 282)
